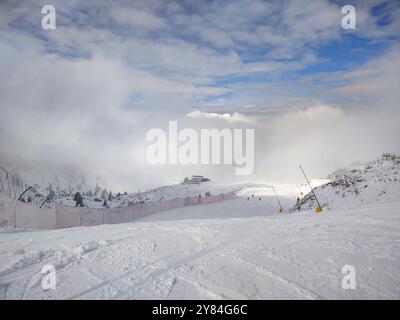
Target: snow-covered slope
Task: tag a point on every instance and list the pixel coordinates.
(64, 181)
(237, 249)
(374, 182)
(46, 175)
(162, 193)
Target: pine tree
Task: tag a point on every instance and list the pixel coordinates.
(78, 200)
(51, 195)
(97, 190)
(104, 194)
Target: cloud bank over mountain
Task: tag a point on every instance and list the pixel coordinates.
(87, 92)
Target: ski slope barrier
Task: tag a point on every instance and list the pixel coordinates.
(16, 214)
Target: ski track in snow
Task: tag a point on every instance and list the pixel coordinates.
(238, 249)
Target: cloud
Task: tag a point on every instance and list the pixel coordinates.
(136, 18)
(210, 115)
(219, 116)
(87, 92)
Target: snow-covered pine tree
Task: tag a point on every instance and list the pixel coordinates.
(97, 190)
(104, 194)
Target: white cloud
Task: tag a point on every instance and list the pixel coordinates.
(210, 115)
(89, 91)
(234, 117)
(136, 18)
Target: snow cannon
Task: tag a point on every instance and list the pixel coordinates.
(318, 210)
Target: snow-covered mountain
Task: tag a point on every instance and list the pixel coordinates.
(47, 175)
(364, 183)
(184, 252)
(162, 193)
(63, 181)
(237, 249)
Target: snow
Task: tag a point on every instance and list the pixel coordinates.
(42, 174)
(66, 180)
(167, 192)
(363, 184)
(237, 249)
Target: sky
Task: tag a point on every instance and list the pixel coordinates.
(87, 93)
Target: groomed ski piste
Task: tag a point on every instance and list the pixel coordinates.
(236, 249)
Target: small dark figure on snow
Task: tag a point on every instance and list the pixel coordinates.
(105, 204)
(248, 198)
(259, 199)
(298, 206)
(78, 200)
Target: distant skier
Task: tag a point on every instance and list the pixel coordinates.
(297, 206)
